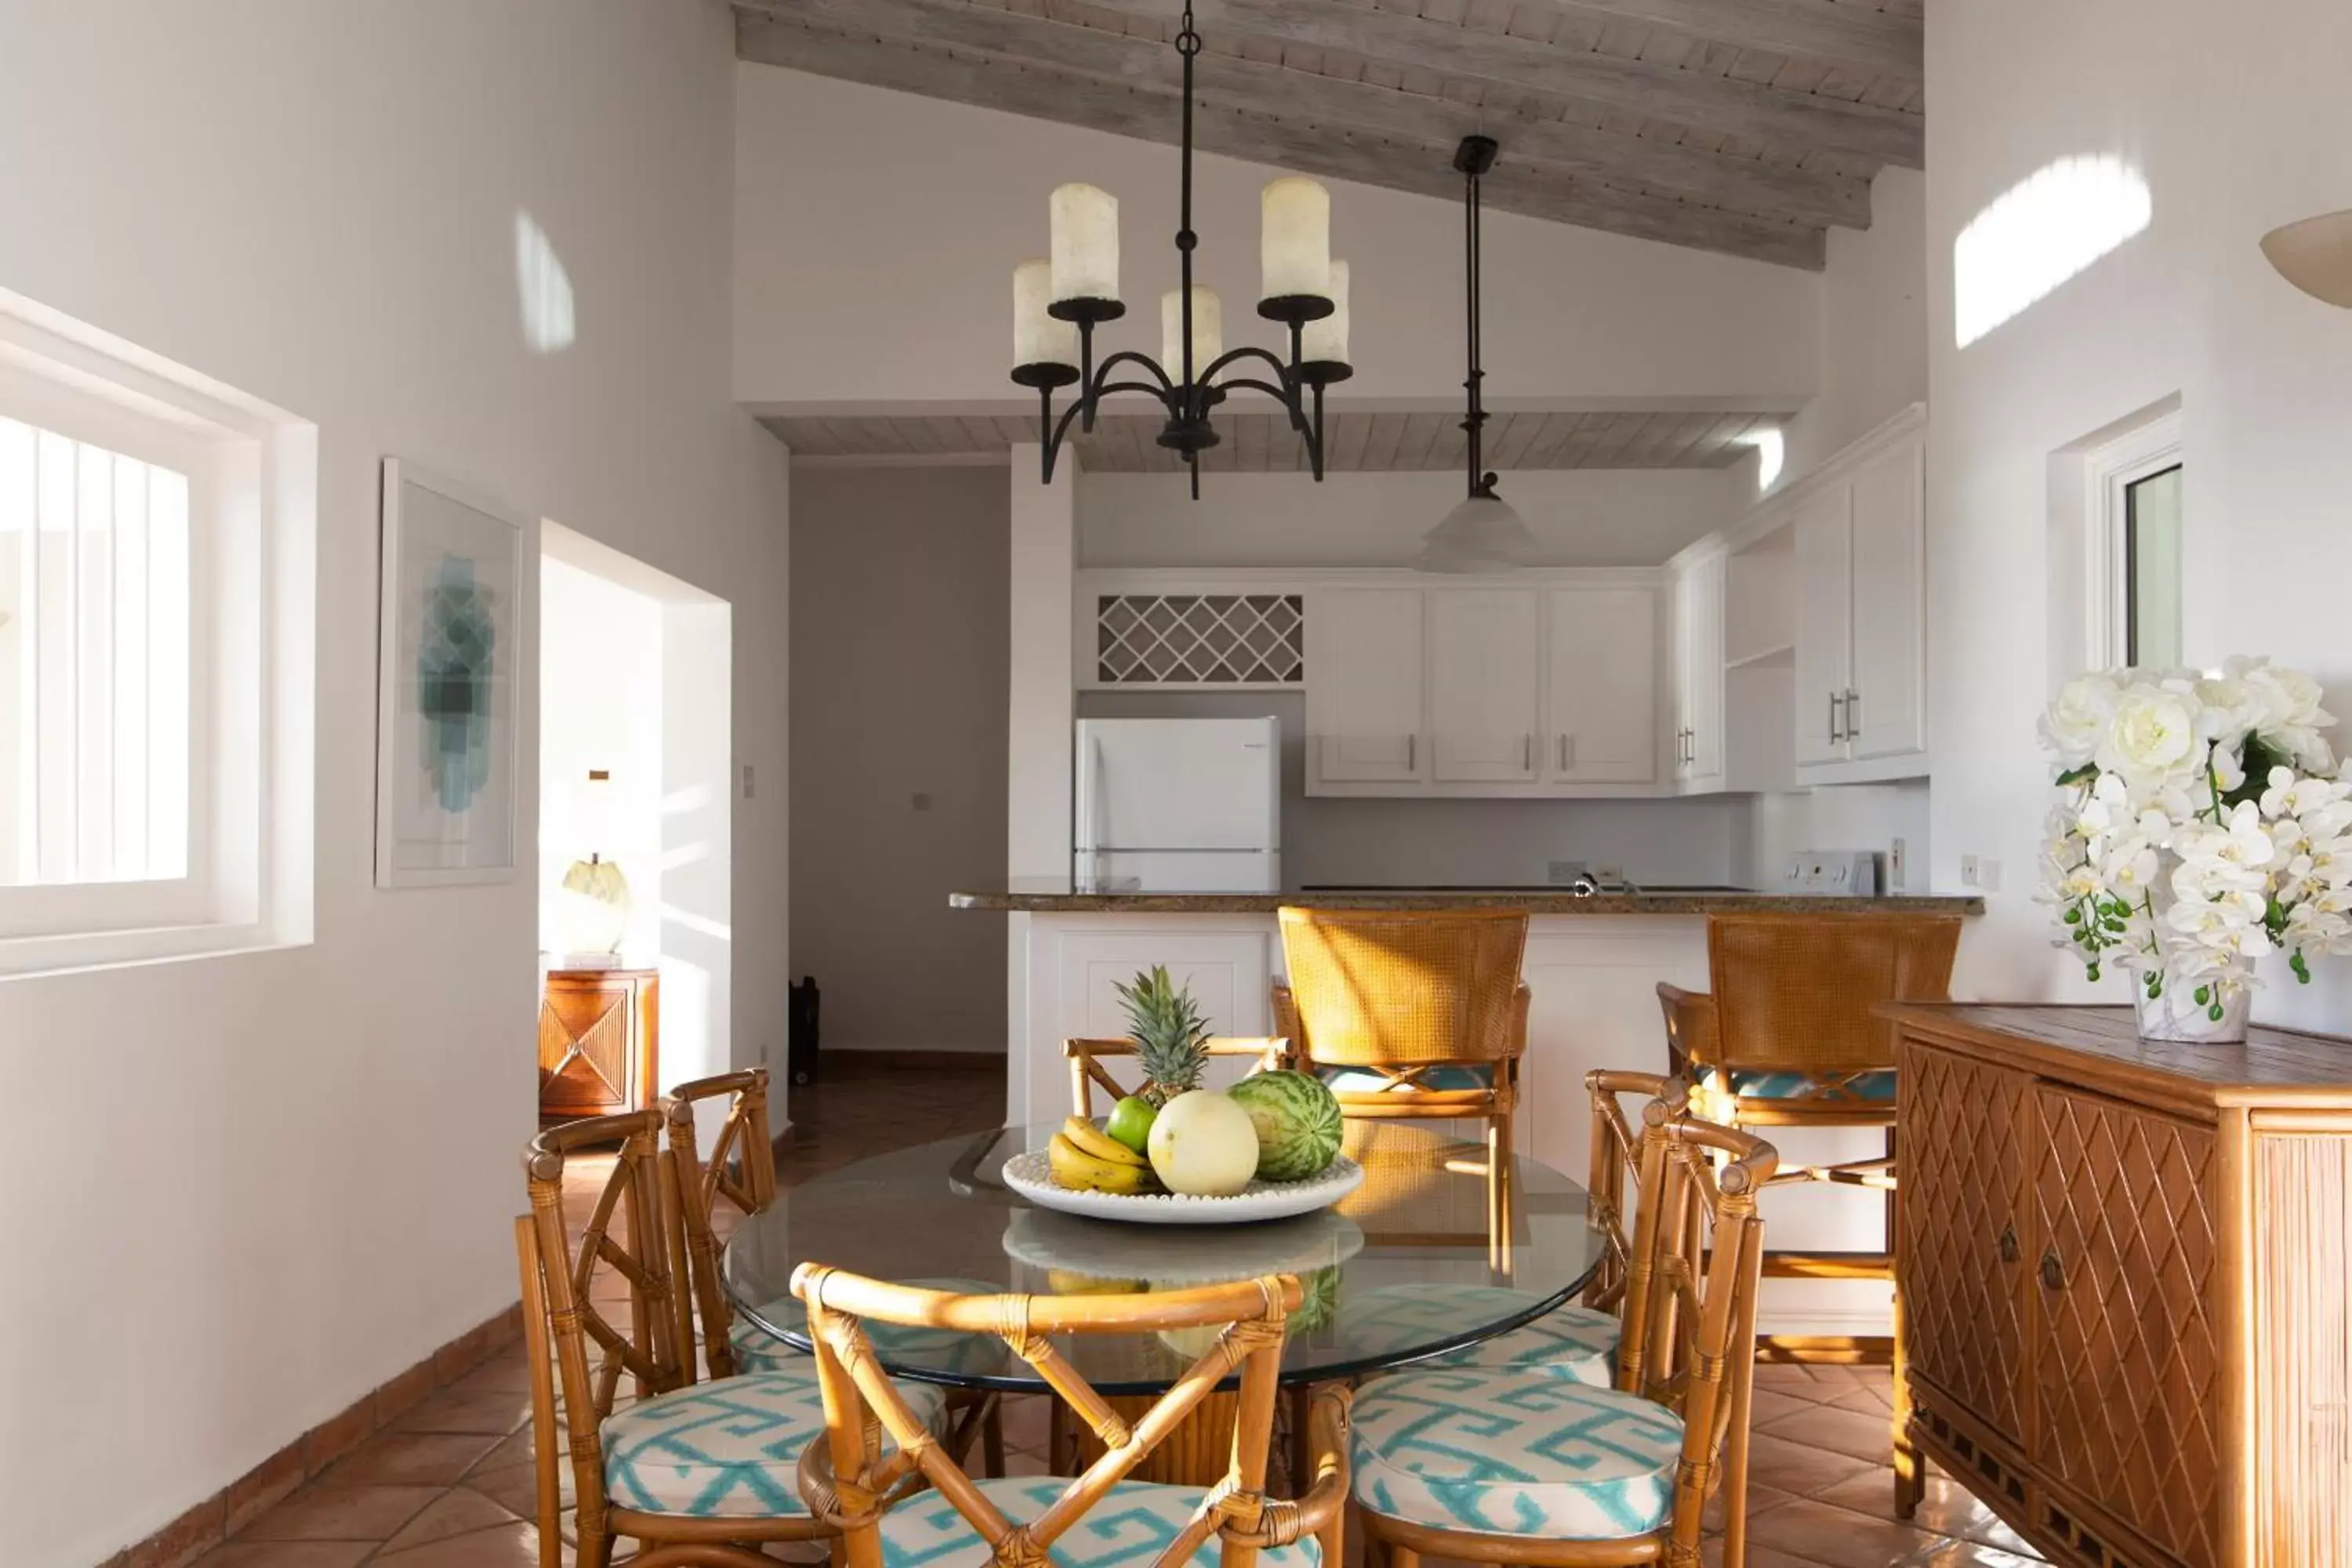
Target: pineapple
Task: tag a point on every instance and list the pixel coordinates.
(1170, 1034)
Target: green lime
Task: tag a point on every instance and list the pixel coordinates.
(1130, 1122)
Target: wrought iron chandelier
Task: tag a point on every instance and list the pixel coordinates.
(1058, 303)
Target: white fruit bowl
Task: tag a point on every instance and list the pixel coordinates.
(1032, 1176)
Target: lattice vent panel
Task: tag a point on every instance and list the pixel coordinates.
(1200, 639)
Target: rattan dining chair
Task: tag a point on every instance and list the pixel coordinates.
(1097, 1519)
(687, 1469)
(1088, 1073)
(1788, 1036)
(1412, 1015)
(741, 1168)
(1517, 1467)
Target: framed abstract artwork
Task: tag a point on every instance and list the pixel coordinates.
(449, 674)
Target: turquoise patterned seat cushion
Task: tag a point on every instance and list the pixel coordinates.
(1876, 1087)
(1364, 1080)
(1514, 1454)
(1573, 1342)
(934, 1350)
(1129, 1527)
(726, 1448)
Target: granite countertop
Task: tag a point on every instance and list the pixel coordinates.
(1052, 896)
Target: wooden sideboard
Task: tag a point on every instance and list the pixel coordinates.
(2126, 1283)
(599, 1042)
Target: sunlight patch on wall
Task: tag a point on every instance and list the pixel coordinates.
(2038, 234)
(545, 289)
(1771, 452)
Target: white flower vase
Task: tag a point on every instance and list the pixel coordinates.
(2176, 1014)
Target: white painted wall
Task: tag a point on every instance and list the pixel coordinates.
(2236, 129)
(1597, 517)
(309, 1155)
(880, 269)
(600, 683)
(899, 655)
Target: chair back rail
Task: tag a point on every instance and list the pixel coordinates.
(1617, 1155)
(847, 1483)
(1691, 1304)
(655, 1347)
(1379, 987)
(741, 1168)
(1795, 991)
(1088, 1073)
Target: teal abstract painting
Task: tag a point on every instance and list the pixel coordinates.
(455, 669)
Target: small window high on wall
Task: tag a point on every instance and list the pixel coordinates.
(2148, 515)
(157, 653)
(2120, 499)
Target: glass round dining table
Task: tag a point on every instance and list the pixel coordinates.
(1404, 1268)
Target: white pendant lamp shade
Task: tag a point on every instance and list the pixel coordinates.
(1086, 243)
(2316, 256)
(1484, 533)
(1327, 341)
(1038, 338)
(1208, 331)
(1294, 238)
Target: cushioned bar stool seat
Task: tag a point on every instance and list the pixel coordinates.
(725, 1450)
(1467, 1079)
(1128, 1528)
(1500, 1453)
(1876, 1088)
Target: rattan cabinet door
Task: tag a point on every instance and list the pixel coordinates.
(2126, 1367)
(1962, 1223)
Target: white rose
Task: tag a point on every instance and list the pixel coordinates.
(2076, 723)
(2152, 738)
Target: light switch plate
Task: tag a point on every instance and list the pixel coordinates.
(1895, 858)
(1988, 874)
(1968, 870)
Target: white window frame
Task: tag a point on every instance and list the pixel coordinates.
(252, 477)
(2110, 471)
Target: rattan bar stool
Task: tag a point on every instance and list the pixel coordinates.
(1517, 1467)
(1419, 1016)
(1788, 1038)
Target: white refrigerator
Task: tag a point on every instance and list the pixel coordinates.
(1179, 805)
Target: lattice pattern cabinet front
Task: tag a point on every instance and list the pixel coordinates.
(2127, 1279)
(599, 1042)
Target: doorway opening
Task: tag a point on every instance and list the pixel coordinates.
(635, 829)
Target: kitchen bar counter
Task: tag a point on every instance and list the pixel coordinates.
(1045, 896)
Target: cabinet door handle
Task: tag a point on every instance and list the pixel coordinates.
(1527, 753)
(1564, 763)
(2054, 1273)
(1852, 713)
(2009, 1243)
(1413, 753)
(1835, 736)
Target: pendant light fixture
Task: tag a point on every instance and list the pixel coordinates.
(1484, 533)
(1058, 302)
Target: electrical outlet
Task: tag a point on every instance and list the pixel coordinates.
(1563, 872)
(1968, 870)
(1988, 874)
(1896, 856)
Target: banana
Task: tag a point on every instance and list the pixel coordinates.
(1092, 1140)
(1082, 1171)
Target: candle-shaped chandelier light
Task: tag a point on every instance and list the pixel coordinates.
(1057, 302)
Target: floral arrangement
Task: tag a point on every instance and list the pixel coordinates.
(2200, 825)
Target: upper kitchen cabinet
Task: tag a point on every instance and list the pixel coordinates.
(1698, 673)
(1861, 632)
(1365, 660)
(1603, 678)
(1485, 676)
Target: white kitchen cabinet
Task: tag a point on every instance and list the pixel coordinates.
(1485, 666)
(1364, 684)
(1825, 530)
(1698, 674)
(1884, 707)
(1601, 673)
(1861, 618)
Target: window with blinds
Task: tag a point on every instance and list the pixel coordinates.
(95, 659)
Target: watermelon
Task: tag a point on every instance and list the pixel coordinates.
(1297, 1124)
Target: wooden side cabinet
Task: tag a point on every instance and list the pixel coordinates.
(599, 1042)
(2126, 1283)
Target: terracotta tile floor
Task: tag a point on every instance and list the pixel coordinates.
(451, 1485)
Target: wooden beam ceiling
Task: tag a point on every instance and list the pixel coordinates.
(1849, 34)
(1389, 156)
